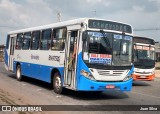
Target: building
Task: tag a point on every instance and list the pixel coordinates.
(2, 53)
(157, 49)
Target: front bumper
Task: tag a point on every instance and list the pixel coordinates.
(90, 85)
(138, 77)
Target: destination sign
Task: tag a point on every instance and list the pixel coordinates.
(143, 40)
(108, 25)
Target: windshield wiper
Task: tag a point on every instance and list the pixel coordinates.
(106, 38)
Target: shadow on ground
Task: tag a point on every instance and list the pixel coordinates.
(80, 95)
(32, 81)
(87, 95)
(141, 83)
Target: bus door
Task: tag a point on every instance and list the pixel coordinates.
(11, 52)
(70, 61)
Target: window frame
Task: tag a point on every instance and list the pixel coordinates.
(53, 37)
(19, 46)
(39, 38)
(28, 47)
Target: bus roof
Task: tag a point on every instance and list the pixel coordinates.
(140, 39)
(58, 24)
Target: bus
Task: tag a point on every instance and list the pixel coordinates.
(102, 61)
(144, 58)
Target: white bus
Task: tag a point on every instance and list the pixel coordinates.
(103, 58)
(144, 59)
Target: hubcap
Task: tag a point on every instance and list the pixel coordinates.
(58, 83)
(18, 72)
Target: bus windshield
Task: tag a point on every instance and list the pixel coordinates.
(106, 48)
(144, 52)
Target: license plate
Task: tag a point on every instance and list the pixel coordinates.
(142, 76)
(110, 86)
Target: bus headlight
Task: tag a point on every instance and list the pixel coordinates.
(127, 77)
(87, 74)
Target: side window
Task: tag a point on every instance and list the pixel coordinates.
(26, 40)
(7, 42)
(73, 40)
(46, 39)
(19, 41)
(59, 36)
(35, 40)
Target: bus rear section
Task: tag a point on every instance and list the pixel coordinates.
(9, 52)
(144, 59)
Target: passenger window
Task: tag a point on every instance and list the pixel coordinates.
(73, 40)
(19, 41)
(46, 39)
(35, 40)
(7, 42)
(59, 36)
(26, 41)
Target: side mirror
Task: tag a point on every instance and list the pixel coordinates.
(84, 36)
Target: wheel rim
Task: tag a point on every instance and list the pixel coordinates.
(18, 73)
(58, 83)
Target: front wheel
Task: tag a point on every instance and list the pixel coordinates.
(18, 73)
(57, 83)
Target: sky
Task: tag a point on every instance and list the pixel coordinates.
(143, 15)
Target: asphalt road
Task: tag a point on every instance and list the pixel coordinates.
(34, 92)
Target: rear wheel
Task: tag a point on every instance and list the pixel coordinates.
(18, 73)
(57, 83)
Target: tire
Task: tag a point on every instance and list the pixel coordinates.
(18, 73)
(57, 83)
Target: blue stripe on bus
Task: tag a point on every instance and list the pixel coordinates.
(6, 57)
(40, 72)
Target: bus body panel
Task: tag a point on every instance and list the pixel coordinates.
(38, 64)
(6, 53)
(6, 58)
(40, 72)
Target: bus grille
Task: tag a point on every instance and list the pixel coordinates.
(111, 72)
(143, 72)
